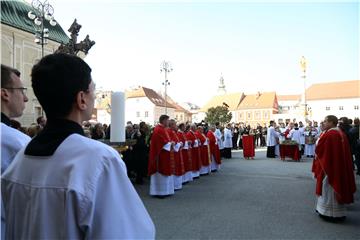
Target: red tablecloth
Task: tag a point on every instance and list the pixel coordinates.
(291, 151)
(248, 146)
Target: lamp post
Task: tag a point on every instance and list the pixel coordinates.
(42, 11)
(303, 68)
(166, 68)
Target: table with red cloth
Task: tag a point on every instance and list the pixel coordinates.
(248, 146)
(289, 150)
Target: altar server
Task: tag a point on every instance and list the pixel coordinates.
(227, 141)
(178, 156)
(186, 154)
(161, 160)
(13, 100)
(63, 185)
(214, 150)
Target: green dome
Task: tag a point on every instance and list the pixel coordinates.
(15, 14)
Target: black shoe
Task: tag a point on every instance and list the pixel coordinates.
(205, 174)
(214, 170)
(332, 219)
(162, 196)
(196, 177)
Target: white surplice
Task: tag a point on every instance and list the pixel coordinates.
(82, 191)
(12, 141)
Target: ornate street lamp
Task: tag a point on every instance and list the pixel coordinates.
(166, 68)
(303, 68)
(42, 11)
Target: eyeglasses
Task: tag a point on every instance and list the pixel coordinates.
(22, 89)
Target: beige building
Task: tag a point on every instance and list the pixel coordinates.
(230, 100)
(18, 49)
(257, 108)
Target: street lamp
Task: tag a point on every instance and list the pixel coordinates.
(166, 68)
(42, 11)
(303, 68)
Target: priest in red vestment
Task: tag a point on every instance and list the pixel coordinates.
(179, 162)
(214, 149)
(161, 160)
(333, 170)
(195, 151)
(248, 146)
(186, 154)
(204, 151)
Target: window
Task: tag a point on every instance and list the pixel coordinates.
(327, 108)
(248, 115)
(257, 115)
(356, 107)
(137, 114)
(341, 107)
(266, 114)
(241, 115)
(146, 114)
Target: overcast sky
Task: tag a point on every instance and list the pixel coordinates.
(256, 46)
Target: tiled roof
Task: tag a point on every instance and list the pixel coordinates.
(232, 100)
(178, 108)
(155, 98)
(295, 97)
(334, 90)
(15, 14)
(259, 100)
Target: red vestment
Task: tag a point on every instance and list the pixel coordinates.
(248, 146)
(160, 160)
(179, 163)
(333, 159)
(186, 153)
(204, 149)
(214, 148)
(195, 152)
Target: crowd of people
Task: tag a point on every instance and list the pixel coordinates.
(59, 170)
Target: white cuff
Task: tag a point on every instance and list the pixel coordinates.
(167, 147)
(177, 147)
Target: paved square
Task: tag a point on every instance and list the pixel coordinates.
(249, 199)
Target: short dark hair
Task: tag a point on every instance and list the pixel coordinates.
(296, 125)
(271, 122)
(163, 118)
(6, 75)
(57, 79)
(181, 125)
(332, 118)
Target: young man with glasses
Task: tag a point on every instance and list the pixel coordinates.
(13, 101)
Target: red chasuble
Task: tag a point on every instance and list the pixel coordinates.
(160, 160)
(186, 153)
(179, 162)
(248, 146)
(333, 159)
(204, 149)
(195, 152)
(214, 148)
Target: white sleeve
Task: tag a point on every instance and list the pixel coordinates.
(177, 147)
(116, 210)
(167, 147)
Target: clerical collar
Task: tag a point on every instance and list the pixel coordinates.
(50, 138)
(5, 120)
